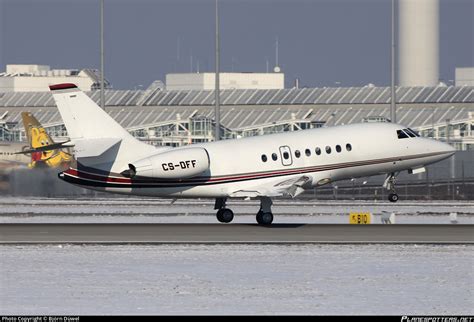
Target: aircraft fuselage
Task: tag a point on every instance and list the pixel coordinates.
(251, 166)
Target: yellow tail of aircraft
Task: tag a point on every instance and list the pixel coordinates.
(44, 151)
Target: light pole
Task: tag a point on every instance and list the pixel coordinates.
(360, 188)
(433, 122)
(447, 130)
(102, 85)
(353, 188)
(217, 110)
(393, 112)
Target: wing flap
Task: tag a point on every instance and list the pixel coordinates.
(289, 187)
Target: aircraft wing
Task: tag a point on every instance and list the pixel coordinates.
(49, 147)
(289, 187)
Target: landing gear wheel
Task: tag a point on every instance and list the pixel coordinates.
(225, 215)
(393, 197)
(389, 184)
(259, 217)
(264, 218)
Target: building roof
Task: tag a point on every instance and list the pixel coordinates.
(251, 109)
(245, 117)
(303, 96)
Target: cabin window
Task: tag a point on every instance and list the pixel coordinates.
(274, 156)
(318, 151)
(307, 152)
(286, 155)
(297, 153)
(264, 158)
(328, 150)
(348, 147)
(338, 148)
(402, 135)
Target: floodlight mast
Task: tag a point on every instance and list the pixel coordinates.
(393, 94)
(217, 109)
(102, 85)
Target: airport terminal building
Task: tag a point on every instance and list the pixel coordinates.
(180, 117)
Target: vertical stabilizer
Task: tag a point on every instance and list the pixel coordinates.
(98, 138)
(83, 118)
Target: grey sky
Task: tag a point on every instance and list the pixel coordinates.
(323, 42)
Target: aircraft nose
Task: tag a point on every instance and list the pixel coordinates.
(449, 148)
(446, 149)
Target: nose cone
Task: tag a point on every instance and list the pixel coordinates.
(446, 148)
(443, 150)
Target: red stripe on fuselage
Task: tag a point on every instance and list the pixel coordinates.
(202, 180)
(87, 175)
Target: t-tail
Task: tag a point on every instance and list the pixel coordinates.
(99, 141)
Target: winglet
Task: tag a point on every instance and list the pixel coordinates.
(62, 86)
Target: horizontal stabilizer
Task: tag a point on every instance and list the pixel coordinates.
(85, 148)
(49, 147)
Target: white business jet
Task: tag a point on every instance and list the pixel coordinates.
(285, 164)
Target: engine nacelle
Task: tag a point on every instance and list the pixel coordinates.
(174, 164)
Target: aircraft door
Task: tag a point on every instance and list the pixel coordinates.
(285, 155)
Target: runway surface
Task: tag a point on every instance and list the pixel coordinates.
(233, 233)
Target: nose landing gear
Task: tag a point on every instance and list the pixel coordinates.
(392, 197)
(390, 185)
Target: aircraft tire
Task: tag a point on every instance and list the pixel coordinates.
(225, 215)
(264, 218)
(393, 197)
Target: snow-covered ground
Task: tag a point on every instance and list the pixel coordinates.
(232, 279)
(237, 279)
(136, 210)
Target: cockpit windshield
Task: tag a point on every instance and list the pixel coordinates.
(402, 135)
(407, 133)
(412, 132)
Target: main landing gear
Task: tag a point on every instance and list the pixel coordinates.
(264, 215)
(390, 185)
(224, 214)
